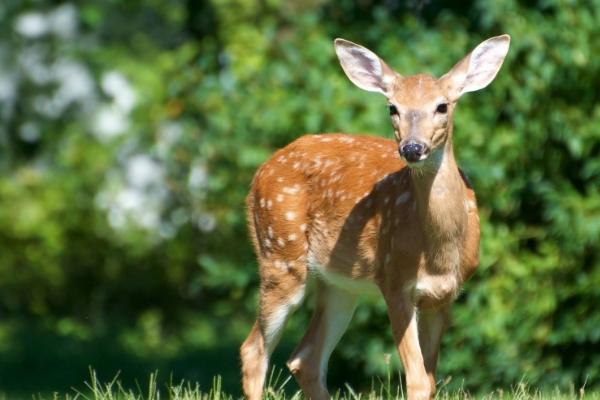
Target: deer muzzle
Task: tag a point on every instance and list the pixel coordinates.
(413, 151)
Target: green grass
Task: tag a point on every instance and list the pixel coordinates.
(278, 389)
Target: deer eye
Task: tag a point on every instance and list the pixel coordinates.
(393, 109)
(442, 108)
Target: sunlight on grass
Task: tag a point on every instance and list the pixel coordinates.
(276, 390)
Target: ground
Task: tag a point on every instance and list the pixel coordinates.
(277, 390)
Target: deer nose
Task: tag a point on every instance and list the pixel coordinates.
(413, 151)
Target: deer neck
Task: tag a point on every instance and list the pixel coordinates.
(439, 197)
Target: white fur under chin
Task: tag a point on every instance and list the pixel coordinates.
(431, 162)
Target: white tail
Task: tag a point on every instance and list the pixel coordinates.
(363, 214)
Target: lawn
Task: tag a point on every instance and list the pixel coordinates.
(278, 388)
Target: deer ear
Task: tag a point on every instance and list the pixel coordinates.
(478, 69)
(364, 68)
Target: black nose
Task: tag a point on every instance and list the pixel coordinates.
(412, 151)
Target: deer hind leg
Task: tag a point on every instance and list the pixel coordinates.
(280, 242)
(432, 323)
(281, 293)
(309, 361)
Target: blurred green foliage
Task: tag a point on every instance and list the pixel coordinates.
(130, 131)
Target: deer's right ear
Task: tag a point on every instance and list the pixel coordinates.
(364, 68)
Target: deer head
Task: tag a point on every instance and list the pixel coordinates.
(421, 106)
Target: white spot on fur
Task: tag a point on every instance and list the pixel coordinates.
(270, 232)
(290, 215)
(292, 237)
(269, 204)
(279, 198)
(471, 205)
(262, 203)
(280, 242)
(302, 227)
(403, 198)
(291, 190)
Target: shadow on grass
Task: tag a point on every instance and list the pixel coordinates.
(37, 360)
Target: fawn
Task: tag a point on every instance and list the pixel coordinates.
(365, 214)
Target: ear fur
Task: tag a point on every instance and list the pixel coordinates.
(479, 68)
(364, 68)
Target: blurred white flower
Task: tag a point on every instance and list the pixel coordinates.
(143, 171)
(8, 91)
(7, 86)
(109, 122)
(113, 119)
(63, 20)
(168, 134)
(131, 204)
(117, 86)
(75, 83)
(130, 199)
(139, 198)
(29, 132)
(32, 25)
(33, 62)
(198, 177)
(206, 222)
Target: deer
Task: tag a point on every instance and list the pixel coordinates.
(355, 214)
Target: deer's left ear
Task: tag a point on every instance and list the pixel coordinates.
(478, 69)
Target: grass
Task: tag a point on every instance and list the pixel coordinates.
(277, 389)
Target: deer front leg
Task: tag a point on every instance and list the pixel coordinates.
(402, 313)
(432, 323)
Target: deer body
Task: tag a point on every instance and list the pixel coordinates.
(365, 214)
(358, 214)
